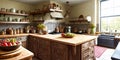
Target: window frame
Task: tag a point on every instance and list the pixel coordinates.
(100, 28)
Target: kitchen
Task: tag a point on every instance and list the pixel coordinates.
(47, 28)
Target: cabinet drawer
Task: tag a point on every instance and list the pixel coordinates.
(87, 50)
(92, 43)
(85, 46)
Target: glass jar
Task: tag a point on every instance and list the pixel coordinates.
(68, 29)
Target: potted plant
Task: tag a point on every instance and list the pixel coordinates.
(42, 28)
(92, 26)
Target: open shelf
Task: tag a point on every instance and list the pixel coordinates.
(16, 35)
(55, 10)
(14, 22)
(10, 13)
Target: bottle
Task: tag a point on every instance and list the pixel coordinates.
(68, 29)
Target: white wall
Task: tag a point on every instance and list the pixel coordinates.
(17, 5)
(88, 8)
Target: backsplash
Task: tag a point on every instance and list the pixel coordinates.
(51, 25)
(14, 26)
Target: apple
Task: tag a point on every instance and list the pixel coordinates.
(13, 43)
(63, 34)
(67, 35)
(4, 44)
(17, 42)
(0, 44)
(9, 43)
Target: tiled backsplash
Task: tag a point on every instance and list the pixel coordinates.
(50, 26)
(14, 26)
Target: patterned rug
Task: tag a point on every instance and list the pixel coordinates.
(99, 51)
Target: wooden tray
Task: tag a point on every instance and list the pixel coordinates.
(9, 54)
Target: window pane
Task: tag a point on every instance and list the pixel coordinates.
(116, 3)
(110, 16)
(117, 11)
(107, 12)
(110, 24)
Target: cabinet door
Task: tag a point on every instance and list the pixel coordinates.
(32, 45)
(43, 49)
(59, 51)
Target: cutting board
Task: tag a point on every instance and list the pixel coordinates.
(9, 54)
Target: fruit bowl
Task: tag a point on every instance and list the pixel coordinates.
(10, 48)
(67, 35)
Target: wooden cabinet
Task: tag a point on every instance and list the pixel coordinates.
(32, 44)
(87, 50)
(59, 51)
(46, 49)
(43, 50)
(40, 47)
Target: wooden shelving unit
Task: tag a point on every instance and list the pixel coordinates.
(16, 35)
(55, 10)
(10, 13)
(14, 22)
(46, 11)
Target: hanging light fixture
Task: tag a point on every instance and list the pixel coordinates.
(68, 11)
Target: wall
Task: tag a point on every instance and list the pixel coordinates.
(85, 8)
(88, 8)
(8, 4)
(13, 4)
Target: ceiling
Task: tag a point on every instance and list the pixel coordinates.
(38, 1)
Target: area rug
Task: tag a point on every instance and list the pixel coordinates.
(99, 51)
(106, 55)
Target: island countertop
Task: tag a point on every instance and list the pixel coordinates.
(76, 40)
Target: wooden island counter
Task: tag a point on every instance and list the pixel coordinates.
(55, 47)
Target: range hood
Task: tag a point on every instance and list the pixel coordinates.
(56, 14)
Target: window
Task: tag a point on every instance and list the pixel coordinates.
(110, 16)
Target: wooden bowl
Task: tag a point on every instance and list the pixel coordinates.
(10, 48)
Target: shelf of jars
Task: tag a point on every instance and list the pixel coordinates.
(45, 10)
(10, 13)
(14, 21)
(16, 35)
(1, 22)
(79, 22)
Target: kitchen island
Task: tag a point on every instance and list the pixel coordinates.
(55, 47)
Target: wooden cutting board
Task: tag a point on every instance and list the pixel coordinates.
(9, 54)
